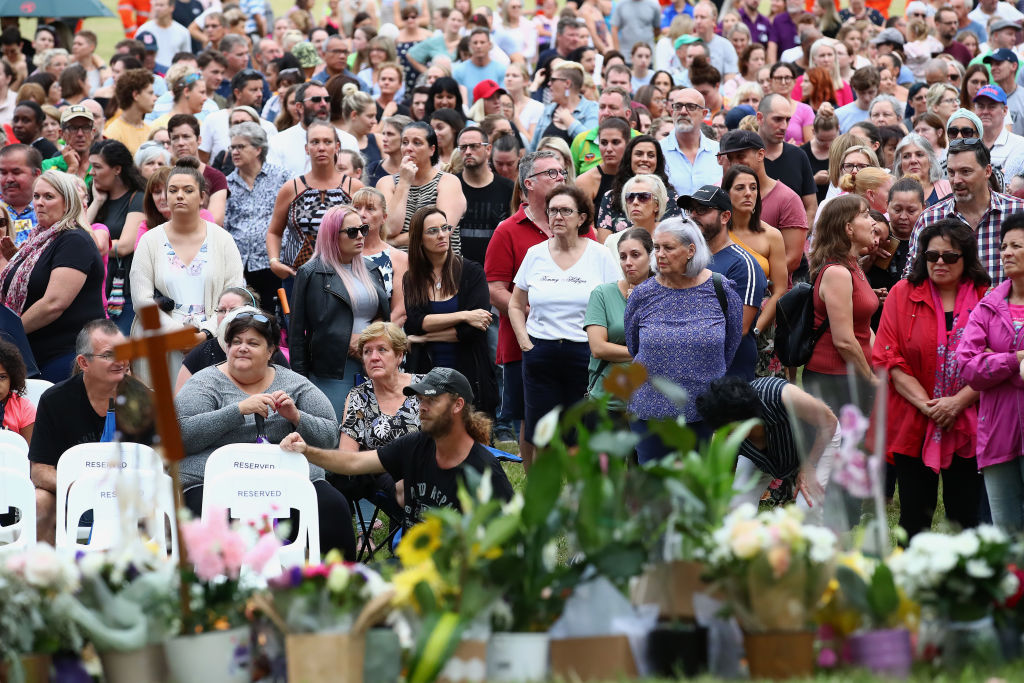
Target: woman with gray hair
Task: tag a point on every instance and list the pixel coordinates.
(150, 156)
(886, 110)
(689, 350)
(252, 188)
(55, 280)
(644, 200)
(915, 157)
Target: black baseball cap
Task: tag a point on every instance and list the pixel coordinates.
(441, 381)
(710, 196)
(739, 140)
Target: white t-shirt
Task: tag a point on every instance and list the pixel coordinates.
(169, 41)
(213, 132)
(1004, 10)
(558, 298)
(531, 113)
(288, 148)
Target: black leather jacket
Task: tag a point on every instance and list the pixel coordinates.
(321, 322)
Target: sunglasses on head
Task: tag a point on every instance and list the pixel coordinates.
(965, 132)
(947, 257)
(255, 317)
(363, 230)
(964, 143)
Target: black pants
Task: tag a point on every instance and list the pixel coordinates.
(919, 490)
(554, 374)
(266, 285)
(333, 511)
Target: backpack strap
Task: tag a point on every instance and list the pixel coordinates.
(716, 280)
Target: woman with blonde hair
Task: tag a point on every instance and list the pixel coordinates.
(54, 282)
(188, 89)
(527, 111)
(870, 183)
(943, 99)
(380, 50)
(359, 118)
(392, 262)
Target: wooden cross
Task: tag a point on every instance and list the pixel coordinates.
(154, 347)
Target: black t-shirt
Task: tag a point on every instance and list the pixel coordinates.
(413, 457)
(210, 353)
(64, 418)
(401, 109)
(70, 249)
(485, 208)
(113, 214)
(816, 165)
(46, 148)
(792, 169)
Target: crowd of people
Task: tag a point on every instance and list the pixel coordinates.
(474, 215)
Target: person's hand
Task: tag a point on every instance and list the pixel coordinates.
(538, 79)
(285, 406)
(294, 443)
(562, 117)
(390, 109)
(98, 196)
(826, 109)
(257, 404)
(353, 347)
(282, 270)
(407, 171)
(945, 410)
(807, 484)
(528, 346)
(478, 318)
(70, 158)
(821, 178)
(7, 247)
(881, 293)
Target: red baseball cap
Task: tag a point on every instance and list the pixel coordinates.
(484, 90)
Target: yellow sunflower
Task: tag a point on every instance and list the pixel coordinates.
(420, 542)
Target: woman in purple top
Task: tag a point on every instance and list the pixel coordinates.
(682, 327)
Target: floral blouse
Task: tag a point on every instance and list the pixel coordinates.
(612, 218)
(373, 429)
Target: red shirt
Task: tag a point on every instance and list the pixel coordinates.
(505, 253)
(826, 358)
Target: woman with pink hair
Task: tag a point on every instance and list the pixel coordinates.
(337, 295)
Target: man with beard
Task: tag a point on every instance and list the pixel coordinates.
(972, 203)
(288, 148)
(488, 196)
(711, 209)
(690, 157)
(946, 28)
(432, 461)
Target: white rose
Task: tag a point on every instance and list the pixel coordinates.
(1009, 584)
(979, 569)
(337, 579)
(42, 566)
(966, 544)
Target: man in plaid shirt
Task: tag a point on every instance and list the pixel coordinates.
(973, 203)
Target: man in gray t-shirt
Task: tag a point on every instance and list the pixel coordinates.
(635, 21)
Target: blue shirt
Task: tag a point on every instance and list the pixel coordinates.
(670, 13)
(747, 278)
(22, 223)
(584, 118)
(469, 74)
(687, 176)
(849, 115)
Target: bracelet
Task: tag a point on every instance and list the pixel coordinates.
(274, 259)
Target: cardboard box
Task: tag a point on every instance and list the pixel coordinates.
(670, 586)
(325, 658)
(599, 658)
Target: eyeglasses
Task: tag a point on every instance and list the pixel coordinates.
(689, 106)
(782, 79)
(642, 197)
(79, 129)
(949, 100)
(363, 230)
(563, 211)
(947, 257)
(317, 99)
(108, 356)
(964, 143)
(438, 229)
(965, 132)
(473, 146)
(553, 173)
(853, 168)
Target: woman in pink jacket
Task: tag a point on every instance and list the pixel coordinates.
(990, 356)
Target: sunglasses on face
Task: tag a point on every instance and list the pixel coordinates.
(317, 99)
(948, 257)
(437, 230)
(363, 230)
(642, 197)
(965, 132)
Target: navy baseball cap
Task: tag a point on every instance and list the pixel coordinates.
(1003, 54)
(148, 41)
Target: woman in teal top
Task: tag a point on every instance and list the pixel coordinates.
(607, 310)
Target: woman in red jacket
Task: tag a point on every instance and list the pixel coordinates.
(931, 426)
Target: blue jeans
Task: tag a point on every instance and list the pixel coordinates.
(554, 374)
(1005, 486)
(127, 317)
(337, 390)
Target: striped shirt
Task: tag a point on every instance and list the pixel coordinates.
(987, 231)
(780, 458)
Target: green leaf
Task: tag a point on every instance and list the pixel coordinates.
(883, 597)
(855, 591)
(499, 531)
(543, 487)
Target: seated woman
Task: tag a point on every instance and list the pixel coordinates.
(246, 398)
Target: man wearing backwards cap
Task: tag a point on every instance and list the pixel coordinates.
(432, 461)
(711, 209)
(1006, 148)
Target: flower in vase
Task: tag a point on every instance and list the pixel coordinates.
(262, 553)
(405, 581)
(419, 544)
(1011, 587)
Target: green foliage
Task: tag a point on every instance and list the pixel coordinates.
(877, 599)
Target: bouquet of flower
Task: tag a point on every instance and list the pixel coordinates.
(30, 623)
(324, 598)
(126, 600)
(963, 576)
(772, 568)
(218, 552)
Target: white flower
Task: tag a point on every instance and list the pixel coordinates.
(514, 506)
(549, 556)
(1009, 584)
(337, 579)
(979, 569)
(92, 564)
(485, 491)
(822, 543)
(966, 544)
(989, 533)
(545, 429)
(42, 566)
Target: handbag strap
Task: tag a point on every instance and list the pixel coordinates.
(716, 280)
(601, 367)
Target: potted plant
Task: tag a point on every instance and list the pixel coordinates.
(324, 612)
(959, 579)
(32, 628)
(882, 642)
(214, 645)
(126, 607)
(773, 570)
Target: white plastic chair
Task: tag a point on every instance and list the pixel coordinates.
(251, 496)
(13, 458)
(254, 457)
(17, 491)
(13, 439)
(98, 457)
(149, 496)
(34, 388)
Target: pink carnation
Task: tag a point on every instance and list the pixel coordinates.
(262, 552)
